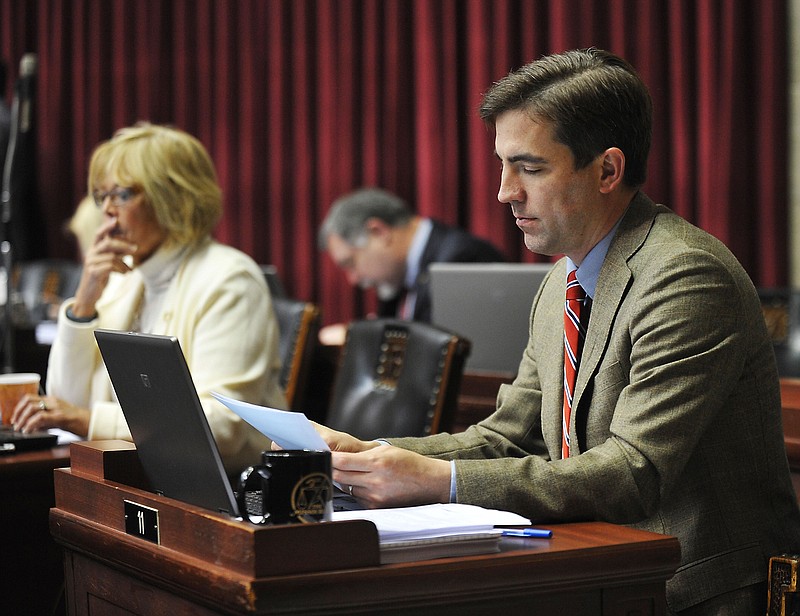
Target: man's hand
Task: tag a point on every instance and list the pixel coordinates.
(387, 476)
(333, 335)
(337, 441)
(382, 475)
(341, 441)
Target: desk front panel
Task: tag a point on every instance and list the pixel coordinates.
(586, 569)
(31, 567)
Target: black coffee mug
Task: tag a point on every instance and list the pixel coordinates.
(288, 487)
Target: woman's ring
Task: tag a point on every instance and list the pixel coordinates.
(350, 490)
(42, 405)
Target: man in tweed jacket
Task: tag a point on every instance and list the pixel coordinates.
(676, 420)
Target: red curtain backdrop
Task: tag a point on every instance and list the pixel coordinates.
(299, 101)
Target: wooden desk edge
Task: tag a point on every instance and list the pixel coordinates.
(611, 556)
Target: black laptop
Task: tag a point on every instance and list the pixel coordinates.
(14, 441)
(168, 425)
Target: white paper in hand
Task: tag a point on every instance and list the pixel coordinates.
(289, 429)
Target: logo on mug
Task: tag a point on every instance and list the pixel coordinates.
(310, 497)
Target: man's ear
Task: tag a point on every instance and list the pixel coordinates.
(612, 169)
(378, 228)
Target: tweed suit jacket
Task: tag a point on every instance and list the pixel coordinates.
(676, 420)
(445, 245)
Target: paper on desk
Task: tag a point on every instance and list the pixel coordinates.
(289, 429)
(429, 521)
(64, 437)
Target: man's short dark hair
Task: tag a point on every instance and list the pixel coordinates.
(594, 99)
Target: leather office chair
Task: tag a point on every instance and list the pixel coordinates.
(273, 281)
(298, 323)
(40, 287)
(37, 289)
(397, 378)
(781, 308)
(783, 596)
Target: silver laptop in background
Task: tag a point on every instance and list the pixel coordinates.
(489, 303)
(169, 427)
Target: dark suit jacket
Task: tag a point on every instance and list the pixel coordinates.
(445, 245)
(677, 420)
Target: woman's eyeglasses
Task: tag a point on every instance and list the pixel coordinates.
(120, 197)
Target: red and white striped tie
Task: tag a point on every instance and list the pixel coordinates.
(574, 333)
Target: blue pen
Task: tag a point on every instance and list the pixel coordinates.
(538, 533)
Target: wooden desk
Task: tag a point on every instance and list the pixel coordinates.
(590, 568)
(31, 563)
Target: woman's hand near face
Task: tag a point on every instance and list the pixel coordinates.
(103, 257)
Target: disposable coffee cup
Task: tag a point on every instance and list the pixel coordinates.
(291, 486)
(13, 387)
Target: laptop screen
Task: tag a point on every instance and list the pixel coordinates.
(489, 303)
(169, 427)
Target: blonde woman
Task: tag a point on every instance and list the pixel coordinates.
(84, 223)
(153, 267)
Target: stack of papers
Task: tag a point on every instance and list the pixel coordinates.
(435, 531)
(405, 533)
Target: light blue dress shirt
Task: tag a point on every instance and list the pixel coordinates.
(587, 274)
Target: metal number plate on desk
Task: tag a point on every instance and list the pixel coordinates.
(141, 521)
